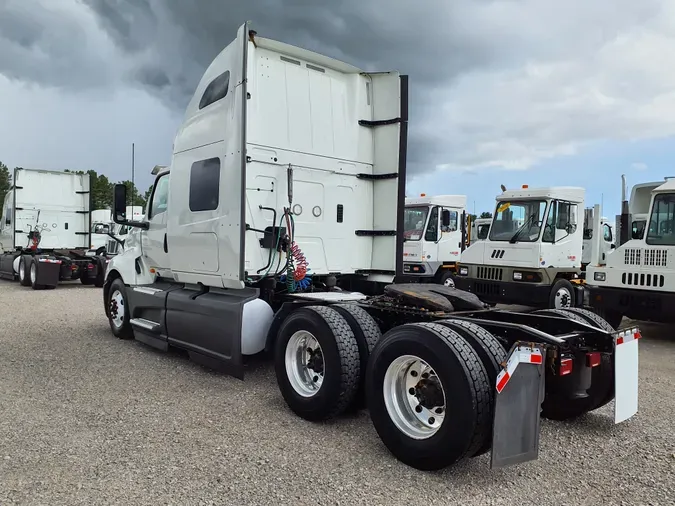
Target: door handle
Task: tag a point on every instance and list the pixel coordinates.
(166, 246)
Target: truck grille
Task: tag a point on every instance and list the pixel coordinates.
(491, 273)
(646, 257)
(486, 289)
(642, 279)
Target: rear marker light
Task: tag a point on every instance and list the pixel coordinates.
(593, 359)
(566, 365)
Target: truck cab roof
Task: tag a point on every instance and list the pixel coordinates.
(568, 193)
(458, 201)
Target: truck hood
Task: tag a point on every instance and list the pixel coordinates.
(412, 251)
(503, 253)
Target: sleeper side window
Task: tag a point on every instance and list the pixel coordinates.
(205, 185)
(216, 90)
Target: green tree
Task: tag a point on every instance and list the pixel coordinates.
(5, 181)
(472, 217)
(134, 197)
(486, 214)
(147, 195)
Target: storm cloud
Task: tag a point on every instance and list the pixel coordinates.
(493, 83)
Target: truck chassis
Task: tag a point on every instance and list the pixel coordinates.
(44, 269)
(414, 355)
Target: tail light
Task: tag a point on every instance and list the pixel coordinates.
(593, 359)
(566, 365)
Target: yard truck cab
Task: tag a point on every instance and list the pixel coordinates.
(278, 228)
(532, 255)
(433, 235)
(638, 279)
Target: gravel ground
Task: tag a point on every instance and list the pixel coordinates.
(88, 419)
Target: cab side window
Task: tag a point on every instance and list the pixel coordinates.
(160, 197)
(607, 233)
(432, 228)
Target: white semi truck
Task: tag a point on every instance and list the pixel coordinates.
(533, 254)
(434, 237)
(638, 279)
(278, 227)
(46, 229)
(106, 235)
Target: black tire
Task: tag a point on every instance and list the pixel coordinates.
(460, 371)
(35, 266)
(560, 408)
(124, 331)
(611, 316)
(558, 285)
(492, 354)
(447, 275)
(84, 277)
(99, 280)
(602, 380)
(26, 261)
(367, 333)
(340, 355)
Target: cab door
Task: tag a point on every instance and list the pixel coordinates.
(154, 243)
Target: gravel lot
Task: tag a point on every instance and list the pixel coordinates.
(88, 419)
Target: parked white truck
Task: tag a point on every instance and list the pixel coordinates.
(46, 229)
(434, 237)
(279, 226)
(533, 254)
(638, 280)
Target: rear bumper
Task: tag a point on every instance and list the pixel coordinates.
(503, 292)
(644, 305)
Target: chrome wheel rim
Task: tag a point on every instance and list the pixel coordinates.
(449, 282)
(22, 270)
(563, 298)
(305, 365)
(414, 397)
(33, 273)
(117, 309)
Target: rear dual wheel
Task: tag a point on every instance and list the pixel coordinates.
(557, 406)
(429, 395)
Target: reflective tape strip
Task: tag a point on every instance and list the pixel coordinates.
(525, 355)
(627, 336)
(48, 261)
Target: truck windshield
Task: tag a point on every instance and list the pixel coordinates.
(662, 220)
(414, 218)
(522, 216)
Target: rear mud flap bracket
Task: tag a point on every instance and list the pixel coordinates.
(518, 397)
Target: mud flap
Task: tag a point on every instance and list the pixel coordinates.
(48, 271)
(626, 373)
(520, 392)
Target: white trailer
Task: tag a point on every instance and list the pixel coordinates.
(46, 230)
(638, 280)
(533, 253)
(278, 227)
(434, 235)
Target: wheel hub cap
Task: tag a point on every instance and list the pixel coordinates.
(305, 366)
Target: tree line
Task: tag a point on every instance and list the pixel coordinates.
(101, 188)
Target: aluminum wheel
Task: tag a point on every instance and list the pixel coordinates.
(414, 397)
(563, 298)
(449, 282)
(22, 271)
(33, 273)
(117, 309)
(305, 366)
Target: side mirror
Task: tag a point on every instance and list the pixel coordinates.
(8, 221)
(445, 218)
(120, 204)
(612, 246)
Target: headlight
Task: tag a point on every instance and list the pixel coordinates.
(463, 271)
(599, 276)
(517, 276)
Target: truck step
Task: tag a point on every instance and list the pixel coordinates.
(145, 325)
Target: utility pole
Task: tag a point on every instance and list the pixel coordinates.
(133, 167)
